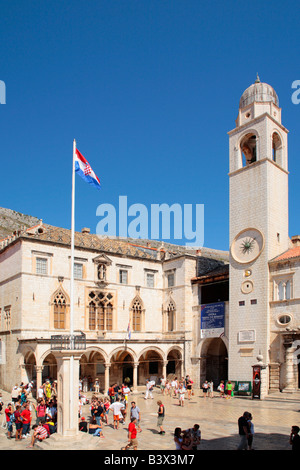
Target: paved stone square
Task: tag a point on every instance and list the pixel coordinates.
(217, 417)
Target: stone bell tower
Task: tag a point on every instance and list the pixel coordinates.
(258, 178)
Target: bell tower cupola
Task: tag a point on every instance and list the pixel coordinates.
(259, 104)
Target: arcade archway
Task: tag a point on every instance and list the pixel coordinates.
(122, 363)
(92, 366)
(30, 367)
(49, 368)
(174, 364)
(214, 361)
(150, 366)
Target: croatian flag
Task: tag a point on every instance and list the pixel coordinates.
(83, 168)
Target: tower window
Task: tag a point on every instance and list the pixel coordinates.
(276, 148)
(248, 147)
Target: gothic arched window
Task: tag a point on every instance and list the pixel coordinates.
(171, 316)
(109, 316)
(136, 315)
(100, 311)
(59, 311)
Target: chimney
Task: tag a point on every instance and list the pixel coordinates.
(85, 230)
(296, 240)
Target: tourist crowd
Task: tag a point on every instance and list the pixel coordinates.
(23, 414)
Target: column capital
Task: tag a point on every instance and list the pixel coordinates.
(67, 354)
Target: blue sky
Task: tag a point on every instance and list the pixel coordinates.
(149, 90)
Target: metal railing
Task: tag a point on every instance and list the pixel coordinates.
(68, 342)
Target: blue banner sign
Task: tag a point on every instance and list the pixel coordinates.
(212, 320)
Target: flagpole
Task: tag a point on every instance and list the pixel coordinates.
(72, 290)
(72, 242)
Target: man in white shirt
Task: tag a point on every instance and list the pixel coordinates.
(117, 408)
(163, 384)
(126, 392)
(174, 385)
(149, 387)
(181, 393)
(40, 392)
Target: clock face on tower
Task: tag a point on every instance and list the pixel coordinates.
(247, 245)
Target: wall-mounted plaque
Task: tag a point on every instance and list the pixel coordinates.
(247, 336)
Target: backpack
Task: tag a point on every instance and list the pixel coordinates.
(12, 418)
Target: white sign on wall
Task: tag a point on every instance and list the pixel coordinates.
(247, 336)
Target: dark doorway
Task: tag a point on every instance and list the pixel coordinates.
(128, 369)
(216, 355)
(171, 367)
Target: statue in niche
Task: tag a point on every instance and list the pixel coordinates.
(101, 272)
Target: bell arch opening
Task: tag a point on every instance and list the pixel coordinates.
(276, 148)
(249, 149)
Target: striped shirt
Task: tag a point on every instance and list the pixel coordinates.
(42, 432)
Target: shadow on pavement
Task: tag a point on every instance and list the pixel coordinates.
(261, 441)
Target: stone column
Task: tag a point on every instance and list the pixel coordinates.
(195, 369)
(181, 369)
(164, 369)
(39, 377)
(67, 392)
(106, 378)
(289, 371)
(264, 382)
(135, 384)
